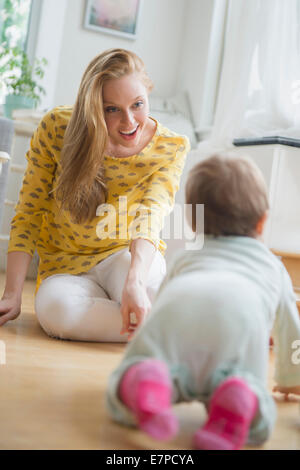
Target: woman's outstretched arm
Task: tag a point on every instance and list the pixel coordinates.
(135, 299)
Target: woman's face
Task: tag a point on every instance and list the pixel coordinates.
(126, 108)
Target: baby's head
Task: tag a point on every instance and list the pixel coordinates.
(234, 195)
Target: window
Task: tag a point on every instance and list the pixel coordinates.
(273, 87)
(14, 23)
(14, 18)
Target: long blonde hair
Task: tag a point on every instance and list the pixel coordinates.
(81, 184)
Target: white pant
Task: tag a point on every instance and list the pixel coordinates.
(86, 307)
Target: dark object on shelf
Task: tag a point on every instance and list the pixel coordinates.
(267, 141)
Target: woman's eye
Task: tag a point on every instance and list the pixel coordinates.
(138, 104)
(111, 109)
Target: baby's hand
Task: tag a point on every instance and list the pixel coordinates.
(287, 390)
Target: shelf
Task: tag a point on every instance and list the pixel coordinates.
(4, 157)
(18, 168)
(286, 254)
(270, 140)
(7, 202)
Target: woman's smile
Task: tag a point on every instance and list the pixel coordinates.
(130, 135)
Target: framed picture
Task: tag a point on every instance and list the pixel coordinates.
(118, 17)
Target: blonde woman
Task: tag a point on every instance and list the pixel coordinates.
(100, 178)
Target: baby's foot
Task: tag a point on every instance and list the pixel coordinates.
(231, 411)
(146, 389)
(153, 410)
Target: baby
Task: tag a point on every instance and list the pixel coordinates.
(207, 337)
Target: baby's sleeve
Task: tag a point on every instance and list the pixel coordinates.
(34, 198)
(287, 336)
(159, 197)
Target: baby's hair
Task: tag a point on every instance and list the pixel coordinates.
(233, 192)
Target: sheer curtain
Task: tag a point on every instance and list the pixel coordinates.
(259, 90)
(259, 95)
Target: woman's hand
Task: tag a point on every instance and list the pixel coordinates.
(17, 266)
(287, 390)
(10, 308)
(135, 302)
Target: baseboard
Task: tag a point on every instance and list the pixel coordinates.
(292, 263)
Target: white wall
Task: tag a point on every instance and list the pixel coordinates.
(173, 42)
(158, 43)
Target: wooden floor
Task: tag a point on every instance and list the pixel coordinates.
(52, 395)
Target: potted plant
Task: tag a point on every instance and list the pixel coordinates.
(20, 79)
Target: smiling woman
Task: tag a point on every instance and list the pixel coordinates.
(127, 118)
(83, 160)
(93, 132)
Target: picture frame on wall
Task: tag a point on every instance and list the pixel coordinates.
(117, 17)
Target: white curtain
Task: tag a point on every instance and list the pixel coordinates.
(259, 90)
(259, 95)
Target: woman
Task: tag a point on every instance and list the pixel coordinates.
(100, 178)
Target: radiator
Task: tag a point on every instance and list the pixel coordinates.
(14, 177)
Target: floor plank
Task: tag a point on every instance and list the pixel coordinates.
(53, 395)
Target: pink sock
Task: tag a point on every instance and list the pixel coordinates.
(147, 391)
(232, 408)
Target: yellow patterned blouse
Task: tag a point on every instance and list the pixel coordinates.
(141, 190)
